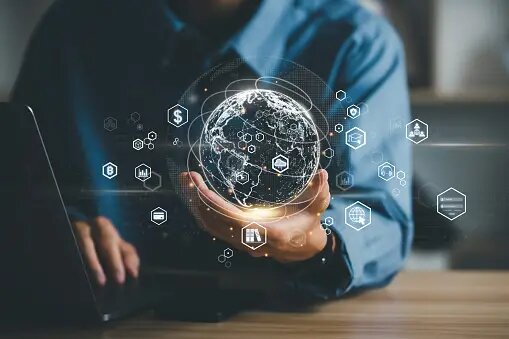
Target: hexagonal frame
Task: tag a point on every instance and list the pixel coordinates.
(410, 125)
(242, 144)
(278, 157)
(338, 128)
(259, 137)
(353, 130)
(159, 182)
(106, 122)
(329, 221)
(251, 148)
(342, 187)
(353, 116)
(104, 172)
(328, 153)
(381, 169)
(185, 115)
(152, 135)
(138, 140)
(340, 95)
(464, 199)
(244, 181)
(247, 137)
(149, 172)
(228, 253)
(165, 216)
(347, 208)
(264, 236)
(398, 176)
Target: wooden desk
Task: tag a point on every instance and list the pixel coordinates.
(457, 304)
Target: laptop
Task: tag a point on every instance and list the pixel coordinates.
(44, 275)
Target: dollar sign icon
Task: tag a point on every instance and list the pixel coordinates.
(177, 116)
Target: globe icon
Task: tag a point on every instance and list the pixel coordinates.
(357, 215)
(259, 148)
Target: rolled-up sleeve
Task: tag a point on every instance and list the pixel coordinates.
(375, 79)
(371, 69)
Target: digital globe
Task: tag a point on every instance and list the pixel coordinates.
(259, 148)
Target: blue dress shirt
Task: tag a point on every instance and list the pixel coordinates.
(95, 58)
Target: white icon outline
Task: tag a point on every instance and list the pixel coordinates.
(383, 168)
(249, 226)
(276, 159)
(138, 144)
(338, 128)
(353, 111)
(355, 204)
(105, 170)
(147, 168)
(156, 212)
(464, 200)
(359, 132)
(408, 130)
(240, 175)
(340, 95)
(185, 115)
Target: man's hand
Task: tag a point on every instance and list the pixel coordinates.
(102, 246)
(225, 221)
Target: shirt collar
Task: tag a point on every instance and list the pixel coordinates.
(261, 42)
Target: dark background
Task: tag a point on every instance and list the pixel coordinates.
(458, 63)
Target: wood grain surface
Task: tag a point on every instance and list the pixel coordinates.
(449, 304)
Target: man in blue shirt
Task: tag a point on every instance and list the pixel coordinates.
(90, 58)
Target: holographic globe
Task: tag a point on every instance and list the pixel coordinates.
(259, 148)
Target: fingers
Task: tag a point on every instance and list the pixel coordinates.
(88, 249)
(108, 245)
(130, 258)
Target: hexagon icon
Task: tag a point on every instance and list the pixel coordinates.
(344, 181)
(142, 172)
(248, 138)
(329, 221)
(137, 144)
(228, 253)
(155, 181)
(386, 171)
(417, 131)
(328, 153)
(353, 111)
(110, 170)
(254, 235)
(259, 136)
(251, 148)
(242, 177)
(178, 115)
(152, 135)
(158, 215)
(110, 124)
(338, 128)
(355, 138)
(451, 203)
(358, 215)
(400, 175)
(280, 163)
(340, 95)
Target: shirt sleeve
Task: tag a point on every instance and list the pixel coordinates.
(371, 70)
